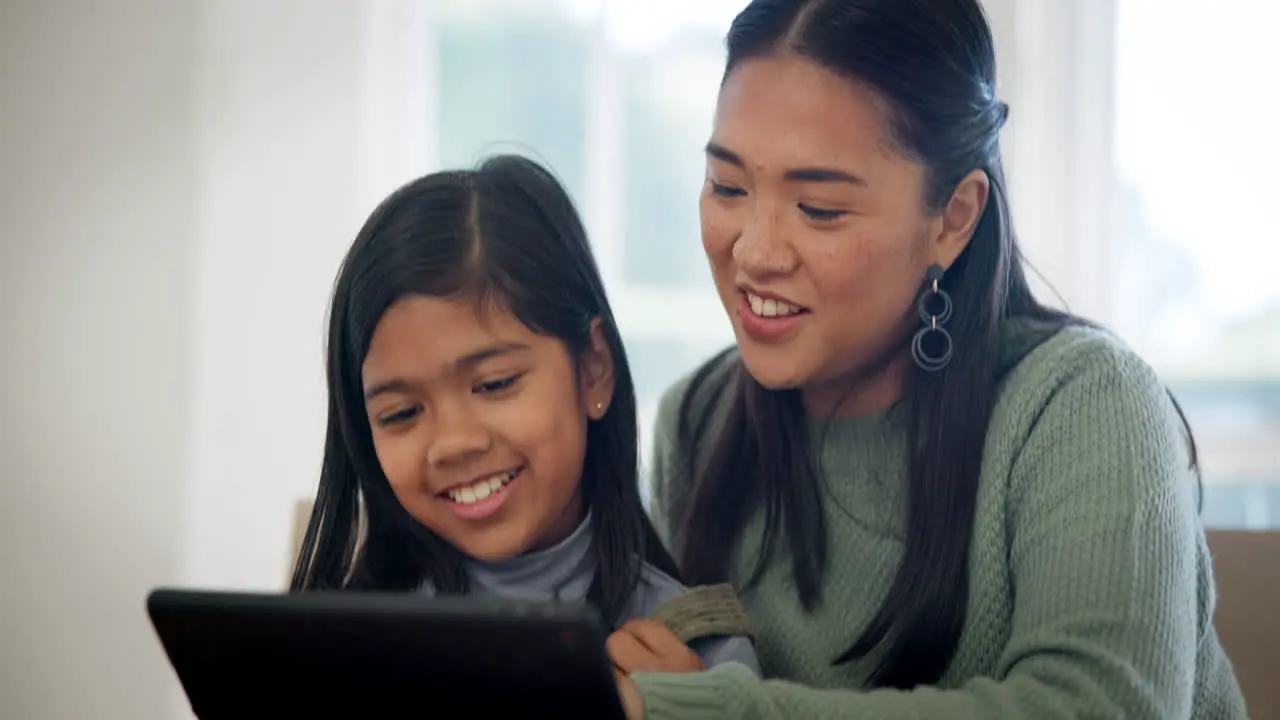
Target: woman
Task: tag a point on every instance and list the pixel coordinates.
(937, 497)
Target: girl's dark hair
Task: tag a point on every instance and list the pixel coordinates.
(506, 232)
(933, 62)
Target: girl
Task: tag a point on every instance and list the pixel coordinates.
(482, 419)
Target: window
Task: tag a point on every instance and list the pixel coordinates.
(616, 96)
(1197, 107)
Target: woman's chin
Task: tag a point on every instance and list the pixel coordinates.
(772, 369)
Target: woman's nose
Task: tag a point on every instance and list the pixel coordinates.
(762, 250)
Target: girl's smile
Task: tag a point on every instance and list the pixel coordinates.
(481, 498)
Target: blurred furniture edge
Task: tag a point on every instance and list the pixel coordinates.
(301, 516)
(1246, 567)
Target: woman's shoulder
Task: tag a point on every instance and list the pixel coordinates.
(1040, 361)
(1079, 394)
(688, 415)
(692, 403)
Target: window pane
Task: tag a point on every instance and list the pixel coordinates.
(656, 365)
(1197, 108)
(670, 98)
(512, 78)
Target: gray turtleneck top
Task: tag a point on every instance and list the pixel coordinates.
(564, 573)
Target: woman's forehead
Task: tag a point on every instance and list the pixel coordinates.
(786, 110)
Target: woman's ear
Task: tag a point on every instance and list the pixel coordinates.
(595, 368)
(959, 218)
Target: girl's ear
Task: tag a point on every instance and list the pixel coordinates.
(596, 370)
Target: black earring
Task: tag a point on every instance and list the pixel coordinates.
(931, 347)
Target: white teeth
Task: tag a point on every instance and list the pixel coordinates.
(770, 307)
(481, 489)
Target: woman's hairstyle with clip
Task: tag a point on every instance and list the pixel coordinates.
(933, 64)
(506, 235)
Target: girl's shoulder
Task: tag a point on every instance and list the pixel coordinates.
(654, 589)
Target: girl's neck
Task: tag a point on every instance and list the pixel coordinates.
(569, 521)
(562, 570)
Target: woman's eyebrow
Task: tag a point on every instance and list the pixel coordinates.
(801, 174)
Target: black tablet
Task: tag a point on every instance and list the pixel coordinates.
(358, 655)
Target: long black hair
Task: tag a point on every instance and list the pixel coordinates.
(933, 62)
(506, 232)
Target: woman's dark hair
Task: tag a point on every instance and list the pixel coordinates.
(933, 63)
(505, 233)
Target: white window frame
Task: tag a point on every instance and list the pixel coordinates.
(643, 312)
(1057, 63)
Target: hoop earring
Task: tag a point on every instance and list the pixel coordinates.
(934, 307)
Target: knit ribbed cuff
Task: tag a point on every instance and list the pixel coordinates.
(705, 611)
(689, 696)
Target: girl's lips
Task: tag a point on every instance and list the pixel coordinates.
(482, 508)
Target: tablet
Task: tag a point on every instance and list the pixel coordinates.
(348, 654)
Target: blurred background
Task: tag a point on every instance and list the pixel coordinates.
(180, 178)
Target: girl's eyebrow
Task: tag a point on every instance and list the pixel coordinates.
(386, 388)
(488, 353)
(468, 361)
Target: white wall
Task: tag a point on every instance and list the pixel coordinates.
(276, 101)
(309, 113)
(178, 181)
(97, 209)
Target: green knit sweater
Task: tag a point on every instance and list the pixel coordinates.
(1090, 591)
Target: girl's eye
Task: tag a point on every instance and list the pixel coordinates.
(400, 416)
(726, 190)
(821, 215)
(494, 387)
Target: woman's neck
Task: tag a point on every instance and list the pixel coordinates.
(865, 392)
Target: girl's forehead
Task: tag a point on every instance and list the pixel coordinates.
(426, 332)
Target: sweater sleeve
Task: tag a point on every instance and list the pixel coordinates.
(1104, 541)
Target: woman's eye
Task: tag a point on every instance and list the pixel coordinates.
(496, 386)
(821, 215)
(400, 416)
(728, 191)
